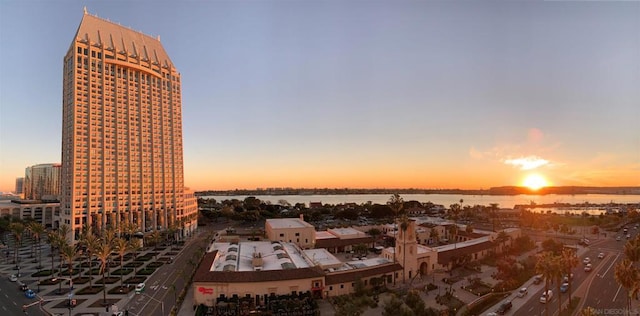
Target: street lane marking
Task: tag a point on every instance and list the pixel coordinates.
(609, 268)
(618, 291)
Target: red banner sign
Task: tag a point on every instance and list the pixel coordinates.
(205, 290)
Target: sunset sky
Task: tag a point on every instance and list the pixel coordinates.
(395, 94)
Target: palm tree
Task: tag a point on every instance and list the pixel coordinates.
(103, 252)
(493, 212)
(69, 253)
(54, 241)
(455, 210)
(569, 261)
(453, 230)
(134, 245)
(627, 276)
(502, 237)
(122, 247)
(632, 250)
(375, 233)
(37, 230)
(404, 225)
(547, 266)
(155, 237)
(17, 229)
(90, 243)
(396, 203)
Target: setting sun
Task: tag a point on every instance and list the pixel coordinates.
(535, 182)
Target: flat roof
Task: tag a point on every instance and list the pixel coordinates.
(288, 223)
(322, 257)
(462, 244)
(346, 232)
(324, 235)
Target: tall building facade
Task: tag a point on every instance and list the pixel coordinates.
(19, 187)
(42, 182)
(121, 132)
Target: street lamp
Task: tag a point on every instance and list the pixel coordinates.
(70, 289)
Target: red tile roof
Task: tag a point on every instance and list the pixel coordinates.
(352, 275)
(335, 242)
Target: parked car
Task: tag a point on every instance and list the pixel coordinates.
(588, 267)
(13, 278)
(618, 238)
(564, 287)
(601, 255)
(504, 308)
(140, 288)
(29, 294)
(23, 287)
(522, 292)
(586, 260)
(546, 296)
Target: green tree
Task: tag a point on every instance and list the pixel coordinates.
(395, 307)
(375, 233)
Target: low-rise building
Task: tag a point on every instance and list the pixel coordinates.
(294, 230)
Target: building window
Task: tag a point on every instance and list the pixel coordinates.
(297, 234)
(342, 286)
(331, 288)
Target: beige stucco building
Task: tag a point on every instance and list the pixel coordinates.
(121, 132)
(294, 230)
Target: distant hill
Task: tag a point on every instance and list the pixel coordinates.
(504, 190)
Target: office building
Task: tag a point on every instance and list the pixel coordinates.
(121, 132)
(19, 186)
(42, 182)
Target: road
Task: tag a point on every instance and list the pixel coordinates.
(12, 299)
(604, 292)
(168, 281)
(600, 289)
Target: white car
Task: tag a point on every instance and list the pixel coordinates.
(601, 255)
(588, 267)
(522, 292)
(140, 288)
(546, 297)
(586, 260)
(13, 278)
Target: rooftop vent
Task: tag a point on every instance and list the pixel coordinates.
(257, 261)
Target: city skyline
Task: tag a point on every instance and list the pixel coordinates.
(360, 94)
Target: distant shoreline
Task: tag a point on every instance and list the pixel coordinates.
(505, 190)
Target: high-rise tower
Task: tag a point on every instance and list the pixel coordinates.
(42, 182)
(121, 132)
